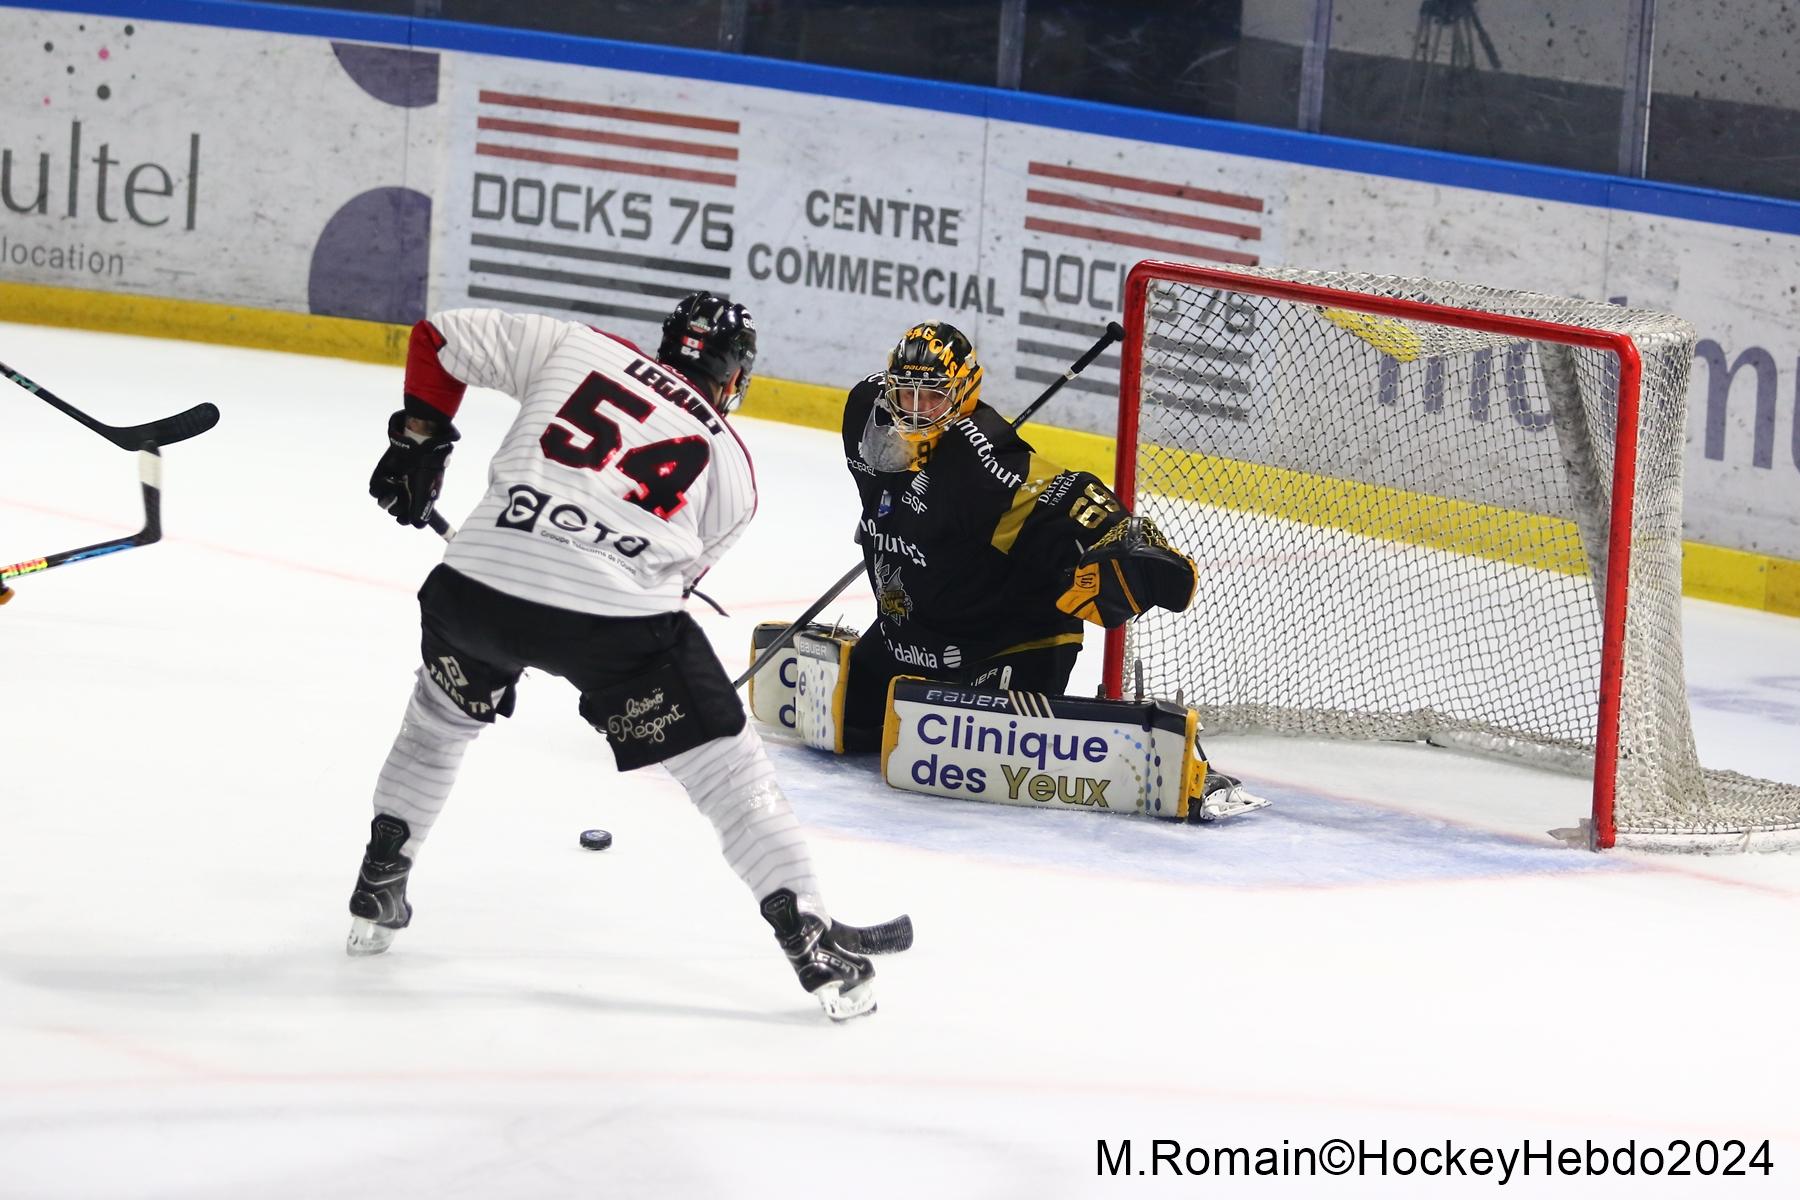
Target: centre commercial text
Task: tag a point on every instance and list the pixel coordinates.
(883, 278)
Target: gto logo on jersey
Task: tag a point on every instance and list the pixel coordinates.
(644, 720)
(525, 506)
(888, 543)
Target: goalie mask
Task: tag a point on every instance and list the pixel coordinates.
(932, 381)
(708, 339)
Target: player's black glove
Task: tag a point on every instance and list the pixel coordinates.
(1132, 567)
(407, 479)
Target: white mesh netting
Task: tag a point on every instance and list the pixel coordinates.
(1402, 525)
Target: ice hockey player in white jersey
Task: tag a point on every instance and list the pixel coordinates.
(619, 484)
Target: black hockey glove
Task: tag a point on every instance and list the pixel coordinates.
(1132, 567)
(407, 479)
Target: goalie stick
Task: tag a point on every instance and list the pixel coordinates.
(1114, 332)
(167, 431)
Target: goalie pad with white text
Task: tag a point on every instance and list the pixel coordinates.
(1037, 751)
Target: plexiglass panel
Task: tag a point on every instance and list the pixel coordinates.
(1725, 108)
(1534, 81)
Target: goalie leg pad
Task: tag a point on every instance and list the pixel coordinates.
(1038, 751)
(772, 687)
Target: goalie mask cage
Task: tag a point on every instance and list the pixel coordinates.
(1427, 511)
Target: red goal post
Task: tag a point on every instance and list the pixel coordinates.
(1431, 511)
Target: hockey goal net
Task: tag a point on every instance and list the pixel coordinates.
(1427, 511)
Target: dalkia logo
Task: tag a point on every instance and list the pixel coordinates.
(146, 193)
(912, 656)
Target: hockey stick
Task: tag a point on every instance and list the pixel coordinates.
(1114, 332)
(150, 476)
(889, 937)
(178, 428)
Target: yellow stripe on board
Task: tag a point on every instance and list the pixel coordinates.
(196, 321)
(1741, 577)
(1391, 514)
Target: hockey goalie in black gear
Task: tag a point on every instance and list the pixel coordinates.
(985, 557)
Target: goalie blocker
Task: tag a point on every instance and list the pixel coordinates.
(1002, 747)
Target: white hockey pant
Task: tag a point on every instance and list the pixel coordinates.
(421, 767)
(731, 781)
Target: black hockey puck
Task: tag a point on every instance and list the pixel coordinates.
(595, 839)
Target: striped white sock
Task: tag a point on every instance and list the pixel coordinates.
(732, 782)
(421, 768)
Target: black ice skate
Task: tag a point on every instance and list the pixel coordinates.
(379, 902)
(842, 981)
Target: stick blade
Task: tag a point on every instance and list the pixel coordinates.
(889, 937)
(182, 426)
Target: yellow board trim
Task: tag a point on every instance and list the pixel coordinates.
(1741, 577)
(197, 321)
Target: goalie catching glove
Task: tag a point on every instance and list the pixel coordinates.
(1132, 567)
(408, 477)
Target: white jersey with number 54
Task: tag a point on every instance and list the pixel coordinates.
(618, 485)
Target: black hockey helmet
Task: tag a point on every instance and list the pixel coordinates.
(933, 379)
(708, 338)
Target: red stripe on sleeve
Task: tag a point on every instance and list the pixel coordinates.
(426, 379)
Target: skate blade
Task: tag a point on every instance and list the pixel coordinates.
(366, 938)
(1234, 803)
(840, 1005)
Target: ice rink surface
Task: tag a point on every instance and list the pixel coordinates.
(1396, 949)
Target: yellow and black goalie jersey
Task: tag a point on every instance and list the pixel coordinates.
(975, 547)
